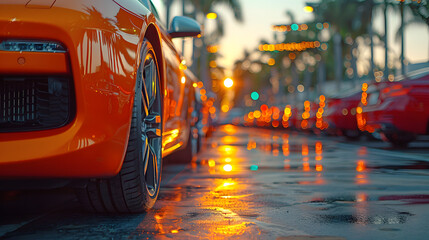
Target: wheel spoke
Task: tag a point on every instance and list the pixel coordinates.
(155, 169)
(151, 175)
(145, 102)
(150, 81)
(145, 153)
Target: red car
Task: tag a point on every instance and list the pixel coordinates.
(398, 110)
(308, 116)
(341, 115)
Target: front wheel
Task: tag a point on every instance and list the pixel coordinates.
(136, 187)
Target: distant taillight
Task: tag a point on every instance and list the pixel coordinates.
(395, 91)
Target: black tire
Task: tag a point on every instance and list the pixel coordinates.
(352, 135)
(136, 187)
(399, 143)
(398, 140)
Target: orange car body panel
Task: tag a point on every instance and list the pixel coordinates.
(103, 41)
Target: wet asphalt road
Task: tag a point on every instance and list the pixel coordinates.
(255, 184)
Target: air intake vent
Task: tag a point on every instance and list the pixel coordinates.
(30, 103)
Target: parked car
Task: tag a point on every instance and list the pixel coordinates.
(94, 93)
(398, 110)
(295, 118)
(341, 115)
(307, 116)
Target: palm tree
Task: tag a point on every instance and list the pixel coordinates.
(348, 19)
(201, 9)
(420, 16)
(421, 9)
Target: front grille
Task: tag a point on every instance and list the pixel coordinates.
(29, 103)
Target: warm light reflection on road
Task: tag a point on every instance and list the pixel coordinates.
(212, 163)
(304, 149)
(227, 150)
(286, 164)
(361, 176)
(306, 167)
(229, 129)
(227, 168)
(285, 149)
(251, 145)
(361, 166)
(229, 139)
(361, 208)
(319, 149)
(226, 202)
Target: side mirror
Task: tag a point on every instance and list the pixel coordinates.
(184, 27)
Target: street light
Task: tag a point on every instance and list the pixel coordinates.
(211, 15)
(308, 9)
(228, 82)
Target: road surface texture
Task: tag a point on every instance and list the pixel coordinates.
(249, 183)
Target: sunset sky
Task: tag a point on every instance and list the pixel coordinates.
(259, 16)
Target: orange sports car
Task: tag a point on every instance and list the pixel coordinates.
(93, 91)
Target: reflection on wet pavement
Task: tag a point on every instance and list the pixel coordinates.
(262, 184)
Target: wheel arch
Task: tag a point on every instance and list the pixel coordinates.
(152, 34)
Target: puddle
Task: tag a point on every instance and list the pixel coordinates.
(414, 165)
(345, 199)
(399, 218)
(407, 199)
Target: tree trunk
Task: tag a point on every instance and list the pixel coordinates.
(168, 8)
(294, 81)
(402, 40)
(204, 69)
(386, 46)
(338, 60)
(307, 83)
(183, 39)
(321, 77)
(354, 63)
(371, 38)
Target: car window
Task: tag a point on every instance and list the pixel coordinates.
(373, 98)
(145, 3)
(159, 10)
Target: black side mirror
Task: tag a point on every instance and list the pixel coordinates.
(184, 27)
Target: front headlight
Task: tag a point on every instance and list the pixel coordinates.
(31, 46)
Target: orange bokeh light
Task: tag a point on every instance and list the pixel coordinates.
(227, 168)
(361, 166)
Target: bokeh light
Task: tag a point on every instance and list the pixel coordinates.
(254, 96)
(228, 82)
